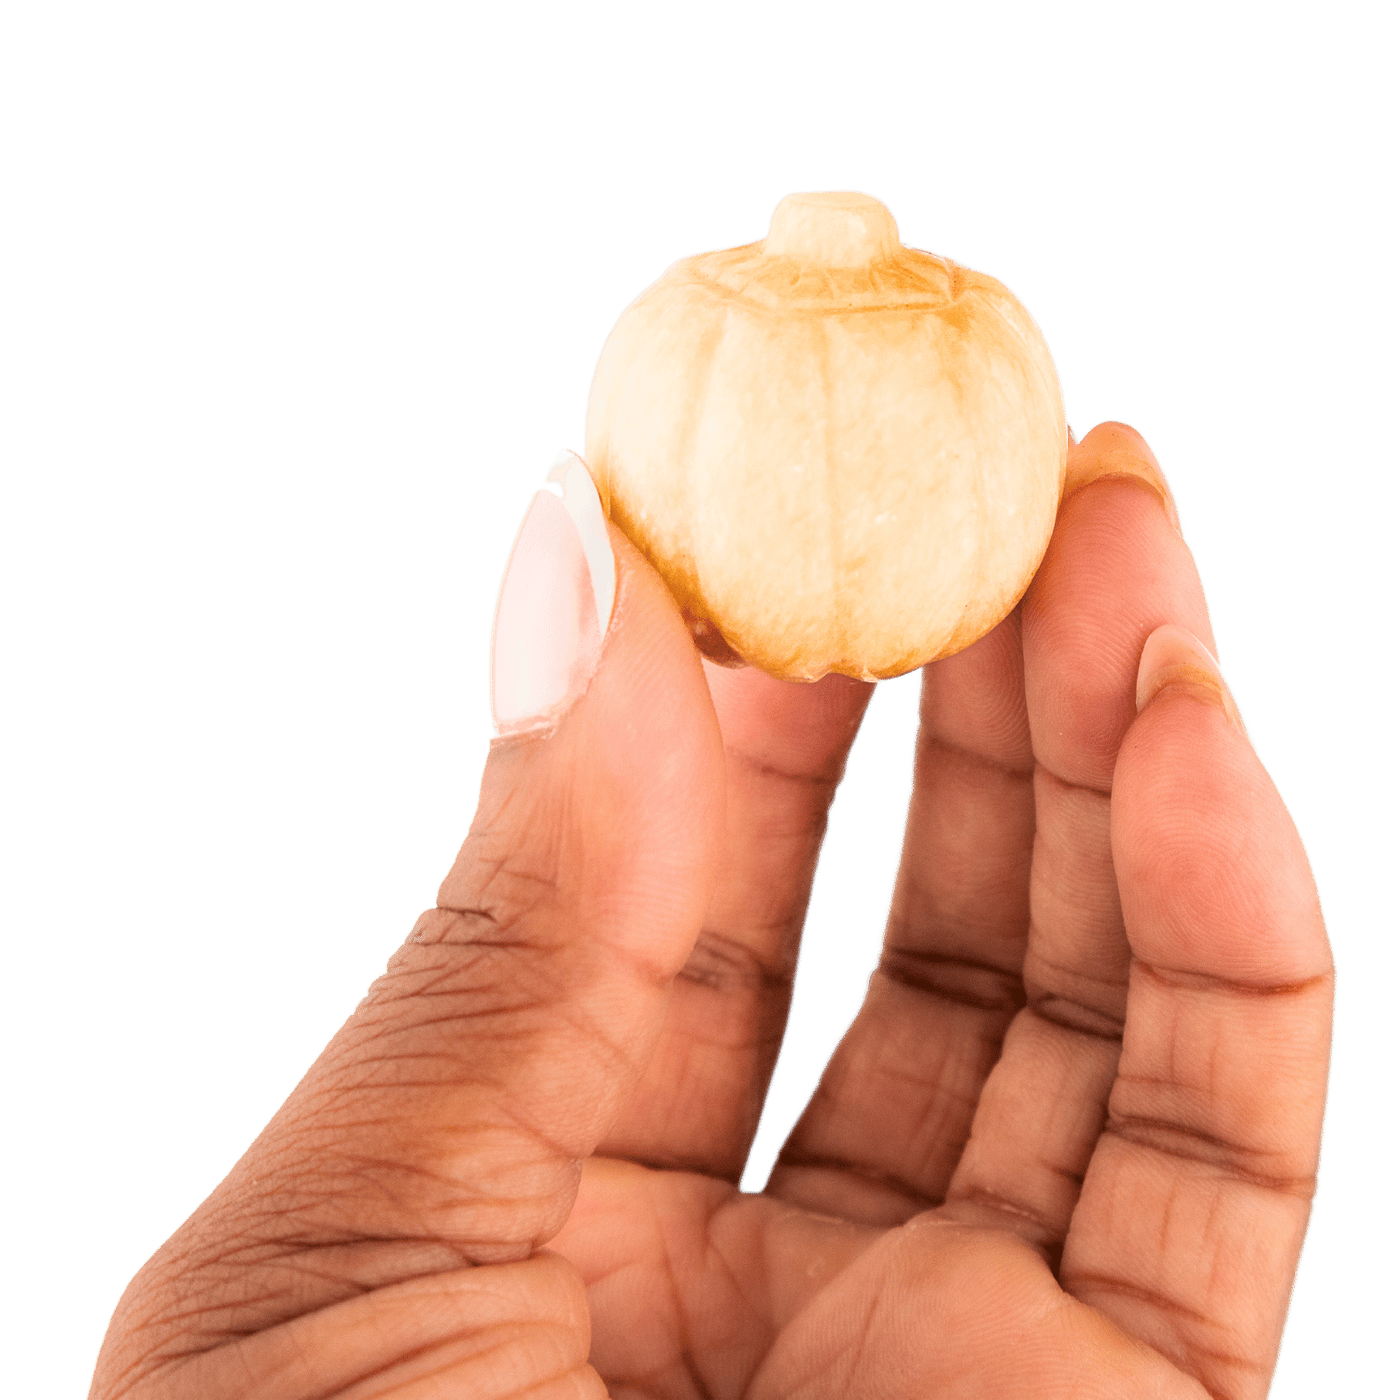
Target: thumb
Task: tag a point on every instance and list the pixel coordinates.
(447, 1121)
(462, 1096)
(457, 1103)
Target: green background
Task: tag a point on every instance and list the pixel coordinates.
(298, 301)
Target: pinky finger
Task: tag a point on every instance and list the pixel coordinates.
(1193, 1210)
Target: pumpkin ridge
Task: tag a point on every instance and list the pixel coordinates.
(840, 619)
(705, 361)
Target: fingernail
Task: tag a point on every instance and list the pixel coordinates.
(556, 600)
(1173, 657)
(1113, 450)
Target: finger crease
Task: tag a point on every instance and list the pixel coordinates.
(803, 1161)
(1021, 772)
(726, 964)
(660, 1162)
(1004, 1205)
(1179, 979)
(1205, 1149)
(763, 769)
(1107, 1283)
(1076, 1016)
(963, 981)
(1073, 1177)
(1064, 782)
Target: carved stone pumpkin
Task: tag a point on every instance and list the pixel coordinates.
(841, 454)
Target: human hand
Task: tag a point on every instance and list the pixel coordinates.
(1067, 1147)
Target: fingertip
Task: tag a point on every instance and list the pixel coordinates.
(555, 604)
(1115, 569)
(574, 482)
(1211, 872)
(1175, 659)
(629, 765)
(1117, 451)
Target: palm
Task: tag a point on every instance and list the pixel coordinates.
(697, 1290)
(973, 1091)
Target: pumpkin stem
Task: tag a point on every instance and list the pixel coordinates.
(843, 229)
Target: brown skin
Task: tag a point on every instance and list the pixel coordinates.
(1066, 1149)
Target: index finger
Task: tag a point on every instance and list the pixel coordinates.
(785, 746)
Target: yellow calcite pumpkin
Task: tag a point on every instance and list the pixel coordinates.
(841, 454)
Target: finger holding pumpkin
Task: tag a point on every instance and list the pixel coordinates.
(785, 747)
(978, 1067)
(1116, 568)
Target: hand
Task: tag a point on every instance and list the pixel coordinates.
(1067, 1147)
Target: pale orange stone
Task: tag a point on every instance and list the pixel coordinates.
(840, 453)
